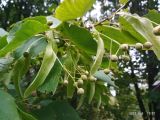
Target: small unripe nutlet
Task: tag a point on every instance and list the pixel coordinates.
(92, 78)
(124, 47)
(139, 46)
(80, 91)
(65, 82)
(125, 58)
(114, 58)
(86, 72)
(147, 45)
(84, 77)
(107, 71)
(80, 82)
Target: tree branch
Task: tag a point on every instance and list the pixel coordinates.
(109, 18)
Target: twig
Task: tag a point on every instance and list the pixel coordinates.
(109, 18)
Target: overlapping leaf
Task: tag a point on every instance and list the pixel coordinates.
(22, 32)
(81, 37)
(142, 29)
(52, 80)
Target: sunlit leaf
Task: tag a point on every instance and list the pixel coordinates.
(71, 9)
(154, 16)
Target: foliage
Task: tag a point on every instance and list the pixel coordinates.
(49, 67)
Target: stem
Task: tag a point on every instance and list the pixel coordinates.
(138, 94)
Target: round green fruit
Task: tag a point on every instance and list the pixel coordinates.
(147, 45)
(124, 47)
(114, 58)
(139, 46)
(107, 71)
(80, 91)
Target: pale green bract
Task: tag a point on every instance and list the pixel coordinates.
(48, 60)
(99, 56)
(71, 9)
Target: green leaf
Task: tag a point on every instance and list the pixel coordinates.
(154, 16)
(99, 56)
(8, 109)
(91, 92)
(71, 9)
(19, 70)
(129, 26)
(5, 63)
(23, 32)
(37, 46)
(143, 28)
(41, 19)
(3, 42)
(123, 1)
(25, 116)
(117, 34)
(57, 110)
(106, 78)
(33, 46)
(47, 64)
(52, 80)
(81, 37)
